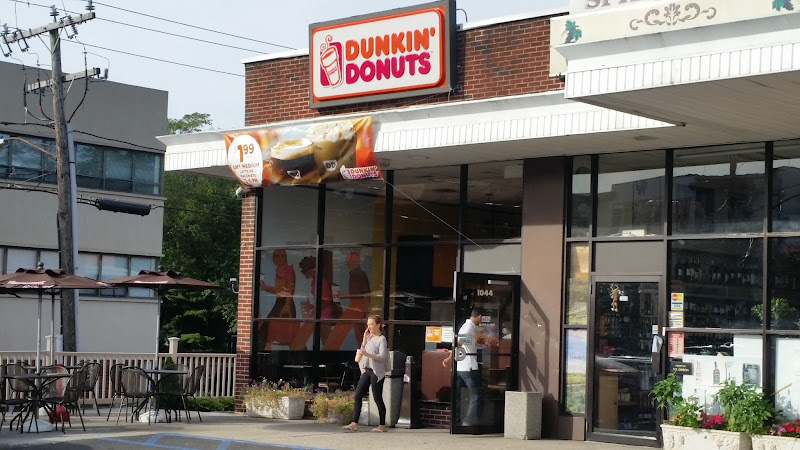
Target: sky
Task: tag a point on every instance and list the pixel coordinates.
(116, 35)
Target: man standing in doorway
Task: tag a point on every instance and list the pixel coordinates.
(468, 374)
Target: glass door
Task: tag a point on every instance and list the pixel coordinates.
(624, 366)
(485, 350)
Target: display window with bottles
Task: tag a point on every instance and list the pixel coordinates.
(721, 281)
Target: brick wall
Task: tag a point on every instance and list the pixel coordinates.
(244, 324)
(499, 60)
(434, 415)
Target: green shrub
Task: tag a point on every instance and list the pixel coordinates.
(268, 394)
(208, 404)
(746, 408)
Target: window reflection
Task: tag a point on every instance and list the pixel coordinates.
(719, 190)
(354, 212)
(721, 280)
(425, 204)
(581, 201)
(630, 194)
(97, 167)
(422, 287)
(290, 215)
(786, 186)
(578, 284)
(785, 272)
(494, 200)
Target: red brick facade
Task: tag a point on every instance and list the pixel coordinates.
(498, 60)
(244, 325)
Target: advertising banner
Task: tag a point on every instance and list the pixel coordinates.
(304, 154)
(384, 54)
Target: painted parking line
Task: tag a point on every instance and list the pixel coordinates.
(224, 444)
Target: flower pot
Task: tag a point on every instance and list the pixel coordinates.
(291, 408)
(767, 442)
(684, 438)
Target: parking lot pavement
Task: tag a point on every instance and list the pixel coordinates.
(227, 431)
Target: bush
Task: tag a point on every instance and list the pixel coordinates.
(338, 406)
(208, 404)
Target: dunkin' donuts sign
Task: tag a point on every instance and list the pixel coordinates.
(398, 53)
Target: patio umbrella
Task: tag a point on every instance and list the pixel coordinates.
(161, 281)
(41, 280)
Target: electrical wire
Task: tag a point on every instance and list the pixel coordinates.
(119, 141)
(85, 88)
(150, 29)
(193, 26)
(163, 60)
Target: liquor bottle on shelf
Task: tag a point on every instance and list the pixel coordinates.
(680, 271)
(716, 374)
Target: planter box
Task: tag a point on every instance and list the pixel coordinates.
(683, 438)
(291, 408)
(762, 442)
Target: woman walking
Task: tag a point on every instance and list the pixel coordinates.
(374, 353)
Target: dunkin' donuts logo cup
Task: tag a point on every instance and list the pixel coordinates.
(330, 57)
(293, 158)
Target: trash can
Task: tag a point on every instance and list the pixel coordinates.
(408, 405)
(392, 390)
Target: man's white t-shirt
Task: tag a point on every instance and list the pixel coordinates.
(467, 334)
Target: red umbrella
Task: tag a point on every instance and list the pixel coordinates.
(41, 280)
(161, 281)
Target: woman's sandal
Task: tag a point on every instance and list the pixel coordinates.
(349, 428)
(379, 430)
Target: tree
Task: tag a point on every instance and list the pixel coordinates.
(190, 123)
(202, 219)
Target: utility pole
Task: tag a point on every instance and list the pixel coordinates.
(67, 236)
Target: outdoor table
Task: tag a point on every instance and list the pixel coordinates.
(38, 381)
(301, 369)
(157, 375)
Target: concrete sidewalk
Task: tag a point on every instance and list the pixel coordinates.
(229, 431)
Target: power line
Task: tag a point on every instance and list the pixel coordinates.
(161, 60)
(117, 140)
(152, 29)
(193, 26)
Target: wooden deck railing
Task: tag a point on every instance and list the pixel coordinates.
(218, 380)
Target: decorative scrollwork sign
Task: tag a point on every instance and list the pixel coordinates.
(673, 15)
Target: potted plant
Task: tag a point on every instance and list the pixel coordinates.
(275, 400)
(333, 408)
(783, 436)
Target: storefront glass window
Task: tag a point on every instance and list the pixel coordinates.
(578, 284)
(580, 214)
(786, 186)
(630, 194)
(721, 282)
(355, 277)
(425, 206)
(719, 190)
(289, 216)
(709, 359)
(354, 212)
(285, 299)
(784, 350)
(422, 287)
(785, 273)
(494, 201)
(575, 370)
